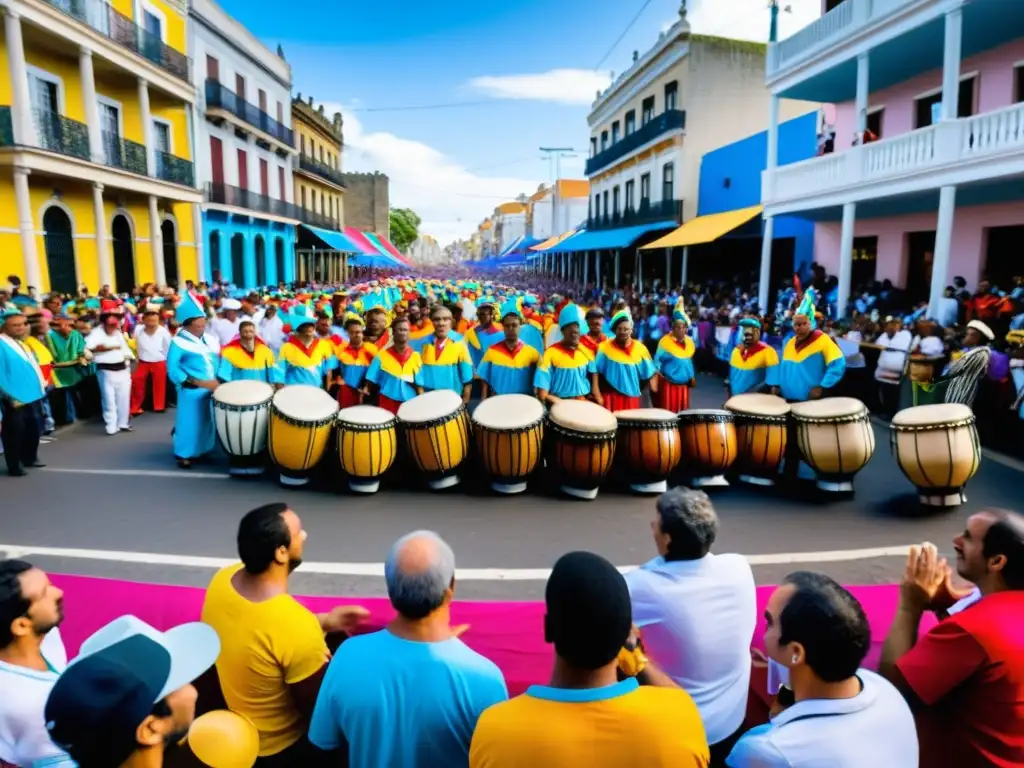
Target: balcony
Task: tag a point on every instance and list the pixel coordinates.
(225, 194)
(219, 96)
(100, 16)
(6, 127)
(124, 154)
(970, 150)
(174, 169)
(61, 134)
(321, 220)
(647, 213)
(673, 120)
(321, 169)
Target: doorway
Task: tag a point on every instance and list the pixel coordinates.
(238, 260)
(170, 239)
(279, 258)
(1002, 257)
(261, 262)
(60, 251)
(920, 257)
(865, 262)
(124, 254)
(215, 256)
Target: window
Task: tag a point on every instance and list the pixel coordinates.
(671, 92)
(110, 130)
(875, 122)
(1018, 84)
(615, 133)
(668, 179)
(162, 136)
(152, 24)
(240, 87)
(630, 195)
(280, 113)
(615, 201)
(212, 68)
(927, 109)
(282, 187)
(264, 178)
(263, 100)
(604, 140)
(303, 191)
(597, 206)
(648, 111)
(45, 94)
(645, 190)
(630, 121)
(302, 144)
(243, 169)
(604, 203)
(593, 146)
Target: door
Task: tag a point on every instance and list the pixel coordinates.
(60, 251)
(124, 254)
(865, 262)
(152, 40)
(1002, 257)
(45, 97)
(216, 161)
(243, 169)
(215, 256)
(170, 238)
(110, 130)
(162, 147)
(282, 186)
(261, 262)
(920, 256)
(279, 258)
(212, 68)
(264, 179)
(240, 88)
(263, 100)
(238, 260)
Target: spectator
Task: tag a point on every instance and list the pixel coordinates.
(697, 612)
(896, 343)
(840, 715)
(273, 650)
(129, 694)
(585, 716)
(965, 677)
(408, 696)
(32, 656)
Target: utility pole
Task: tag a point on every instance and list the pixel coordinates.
(554, 156)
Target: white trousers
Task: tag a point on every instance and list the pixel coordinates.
(116, 394)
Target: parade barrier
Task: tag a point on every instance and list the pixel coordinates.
(511, 634)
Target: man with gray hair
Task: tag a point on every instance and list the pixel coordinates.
(697, 612)
(408, 696)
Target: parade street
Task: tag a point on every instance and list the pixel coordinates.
(117, 507)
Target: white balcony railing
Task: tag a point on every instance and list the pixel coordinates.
(924, 155)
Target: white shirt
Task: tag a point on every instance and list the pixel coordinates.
(893, 360)
(271, 330)
(98, 337)
(225, 330)
(931, 346)
(152, 348)
(24, 739)
(697, 618)
(874, 729)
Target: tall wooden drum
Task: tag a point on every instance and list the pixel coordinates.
(509, 432)
(709, 446)
(762, 424)
(367, 445)
(835, 438)
(937, 448)
(435, 431)
(301, 417)
(580, 446)
(241, 415)
(649, 448)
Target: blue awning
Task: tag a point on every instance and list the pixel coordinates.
(609, 239)
(332, 239)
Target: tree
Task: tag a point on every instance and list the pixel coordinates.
(405, 226)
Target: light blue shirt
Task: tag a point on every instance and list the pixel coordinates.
(404, 704)
(19, 372)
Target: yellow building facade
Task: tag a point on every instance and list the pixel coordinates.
(97, 185)
(319, 185)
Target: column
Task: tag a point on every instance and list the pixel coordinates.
(639, 271)
(102, 239)
(92, 109)
(24, 127)
(943, 246)
(200, 243)
(156, 243)
(951, 53)
(27, 230)
(147, 126)
(861, 100)
(773, 145)
(685, 269)
(668, 269)
(597, 270)
(618, 269)
(764, 288)
(586, 268)
(846, 258)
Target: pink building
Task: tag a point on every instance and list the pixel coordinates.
(937, 190)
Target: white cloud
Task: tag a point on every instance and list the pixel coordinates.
(563, 86)
(750, 19)
(450, 199)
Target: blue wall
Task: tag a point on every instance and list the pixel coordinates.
(227, 225)
(742, 163)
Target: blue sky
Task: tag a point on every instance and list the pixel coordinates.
(535, 65)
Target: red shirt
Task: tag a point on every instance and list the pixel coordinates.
(969, 671)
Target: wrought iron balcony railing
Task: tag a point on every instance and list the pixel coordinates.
(124, 154)
(61, 134)
(672, 120)
(321, 169)
(219, 96)
(6, 127)
(646, 213)
(175, 169)
(315, 219)
(226, 194)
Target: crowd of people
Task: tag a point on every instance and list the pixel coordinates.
(651, 668)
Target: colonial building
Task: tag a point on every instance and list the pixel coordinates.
(319, 182)
(245, 148)
(367, 202)
(97, 185)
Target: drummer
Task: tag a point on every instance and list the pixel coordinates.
(624, 366)
(396, 373)
(674, 362)
(566, 371)
(191, 367)
(486, 333)
(595, 335)
(248, 358)
(446, 361)
(754, 365)
(811, 360)
(354, 358)
(420, 327)
(305, 358)
(508, 367)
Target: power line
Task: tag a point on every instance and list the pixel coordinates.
(623, 35)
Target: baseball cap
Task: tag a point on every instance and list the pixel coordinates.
(122, 671)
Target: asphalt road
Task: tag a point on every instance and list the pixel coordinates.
(118, 507)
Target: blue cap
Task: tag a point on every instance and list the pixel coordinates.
(188, 310)
(571, 313)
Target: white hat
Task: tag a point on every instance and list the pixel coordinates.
(981, 328)
(229, 304)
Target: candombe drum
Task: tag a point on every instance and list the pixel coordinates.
(649, 448)
(835, 438)
(435, 431)
(367, 445)
(301, 417)
(709, 446)
(937, 448)
(509, 433)
(241, 413)
(762, 423)
(580, 446)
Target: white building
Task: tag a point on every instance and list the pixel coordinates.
(425, 251)
(509, 224)
(559, 208)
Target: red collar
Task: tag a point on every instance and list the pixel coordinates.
(237, 344)
(624, 347)
(511, 353)
(812, 336)
(402, 357)
(298, 343)
(746, 353)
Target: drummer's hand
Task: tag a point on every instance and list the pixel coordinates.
(552, 400)
(343, 618)
(210, 384)
(693, 383)
(816, 393)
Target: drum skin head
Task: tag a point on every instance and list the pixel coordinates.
(932, 415)
(581, 416)
(645, 416)
(758, 405)
(304, 402)
(829, 408)
(504, 412)
(705, 414)
(243, 393)
(429, 406)
(366, 416)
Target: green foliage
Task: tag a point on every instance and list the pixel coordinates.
(405, 226)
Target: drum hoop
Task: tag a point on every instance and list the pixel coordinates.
(324, 422)
(966, 422)
(707, 418)
(509, 430)
(589, 437)
(850, 419)
(762, 418)
(435, 422)
(222, 406)
(649, 425)
(348, 426)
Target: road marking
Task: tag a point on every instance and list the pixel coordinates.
(377, 569)
(177, 475)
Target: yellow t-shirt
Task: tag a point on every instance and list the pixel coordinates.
(265, 647)
(621, 725)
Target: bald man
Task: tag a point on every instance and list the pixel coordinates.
(411, 693)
